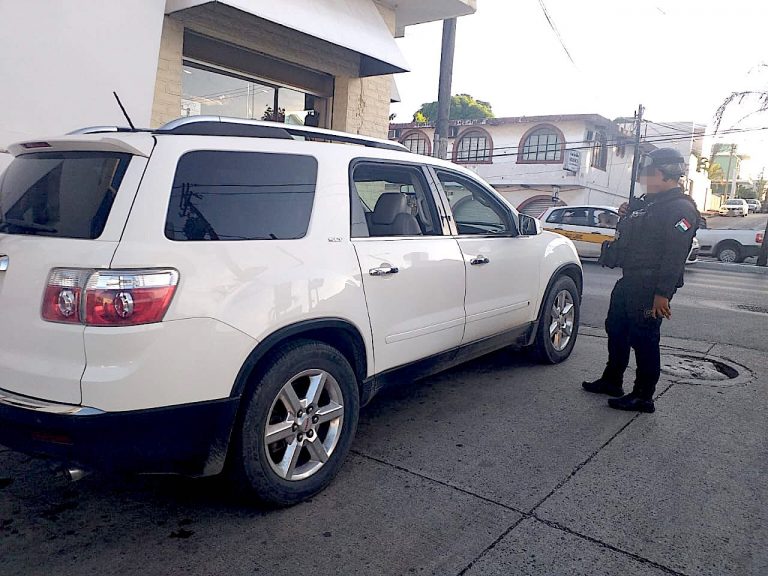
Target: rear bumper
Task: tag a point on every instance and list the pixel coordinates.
(189, 439)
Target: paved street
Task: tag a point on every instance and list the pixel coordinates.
(497, 467)
(713, 306)
(749, 222)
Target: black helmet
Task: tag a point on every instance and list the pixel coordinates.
(668, 161)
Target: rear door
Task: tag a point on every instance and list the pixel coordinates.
(58, 209)
(413, 274)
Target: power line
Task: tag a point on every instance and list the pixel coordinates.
(555, 30)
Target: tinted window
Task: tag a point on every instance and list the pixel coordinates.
(575, 217)
(64, 194)
(241, 196)
(555, 217)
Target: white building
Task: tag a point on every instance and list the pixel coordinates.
(691, 140)
(331, 60)
(538, 161)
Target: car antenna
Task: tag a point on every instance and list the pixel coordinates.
(124, 112)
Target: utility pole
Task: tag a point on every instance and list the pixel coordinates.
(636, 158)
(440, 148)
(762, 257)
(732, 170)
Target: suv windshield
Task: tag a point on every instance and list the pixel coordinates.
(64, 194)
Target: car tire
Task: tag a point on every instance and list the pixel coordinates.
(556, 318)
(729, 252)
(291, 469)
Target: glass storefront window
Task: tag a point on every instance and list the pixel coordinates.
(205, 92)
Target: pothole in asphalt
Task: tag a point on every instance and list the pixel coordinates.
(691, 369)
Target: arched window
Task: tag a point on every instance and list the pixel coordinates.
(541, 145)
(417, 142)
(473, 147)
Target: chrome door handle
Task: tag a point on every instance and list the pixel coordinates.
(4, 263)
(479, 260)
(383, 270)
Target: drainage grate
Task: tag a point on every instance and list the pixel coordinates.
(753, 308)
(692, 369)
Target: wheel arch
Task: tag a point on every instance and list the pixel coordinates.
(336, 332)
(728, 243)
(570, 269)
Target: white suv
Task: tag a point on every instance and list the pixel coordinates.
(222, 294)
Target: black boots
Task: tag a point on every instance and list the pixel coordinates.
(601, 386)
(632, 403)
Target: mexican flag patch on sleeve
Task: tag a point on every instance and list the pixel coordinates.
(683, 225)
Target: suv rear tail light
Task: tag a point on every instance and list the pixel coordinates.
(63, 295)
(759, 238)
(109, 297)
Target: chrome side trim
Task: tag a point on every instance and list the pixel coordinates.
(35, 405)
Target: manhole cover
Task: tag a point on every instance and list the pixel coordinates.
(690, 369)
(753, 308)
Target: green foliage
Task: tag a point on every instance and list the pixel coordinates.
(463, 107)
(420, 118)
(715, 172)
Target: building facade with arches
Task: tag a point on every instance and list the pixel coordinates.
(538, 161)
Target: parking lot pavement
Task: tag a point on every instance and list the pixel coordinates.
(497, 467)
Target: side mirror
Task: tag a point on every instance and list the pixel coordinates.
(529, 226)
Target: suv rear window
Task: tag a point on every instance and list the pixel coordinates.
(63, 194)
(221, 195)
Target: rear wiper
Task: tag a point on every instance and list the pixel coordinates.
(26, 226)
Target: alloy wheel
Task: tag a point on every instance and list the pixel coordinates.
(304, 424)
(562, 320)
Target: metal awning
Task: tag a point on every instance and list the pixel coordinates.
(353, 24)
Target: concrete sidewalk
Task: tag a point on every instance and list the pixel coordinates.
(499, 467)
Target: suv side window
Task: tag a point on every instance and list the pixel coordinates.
(555, 217)
(475, 210)
(392, 200)
(219, 195)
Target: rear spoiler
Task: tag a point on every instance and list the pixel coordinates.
(135, 144)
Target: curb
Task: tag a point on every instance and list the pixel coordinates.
(723, 267)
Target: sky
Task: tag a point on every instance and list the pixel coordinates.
(679, 58)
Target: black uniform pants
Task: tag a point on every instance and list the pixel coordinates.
(629, 326)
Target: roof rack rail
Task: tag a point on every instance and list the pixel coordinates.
(223, 126)
(103, 129)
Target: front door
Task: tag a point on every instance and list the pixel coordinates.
(413, 274)
(502, 267)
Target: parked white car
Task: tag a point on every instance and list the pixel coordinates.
(734, 207)
(754, 205)
(226, 291)
(589, 226)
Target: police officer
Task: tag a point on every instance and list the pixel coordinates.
(653, 240)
